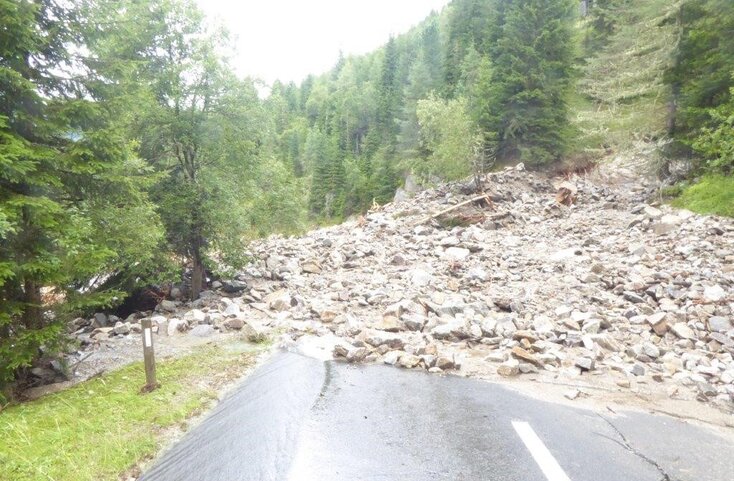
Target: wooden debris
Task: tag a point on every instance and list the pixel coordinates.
(479, 200)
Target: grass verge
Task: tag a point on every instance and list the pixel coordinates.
(103, 427)
(713, 194)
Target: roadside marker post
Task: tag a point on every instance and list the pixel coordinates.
(148, 356)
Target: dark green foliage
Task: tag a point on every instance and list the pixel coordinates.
(532, 75)
(702, 80)
(71, 206)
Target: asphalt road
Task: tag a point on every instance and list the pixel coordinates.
(301, 419)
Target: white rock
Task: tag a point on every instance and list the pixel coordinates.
(456, 254)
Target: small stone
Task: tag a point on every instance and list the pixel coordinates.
(122, 328)
(706, 389)
(714, 293)
(496, 356)
(572, 394)
(311, 267)
(409, 361)
(658, 323)
(197, 316)
(232, 310)
(167, 306)
(650, 350)
(719, 324)
(634, 298)
(524, 355)
(681, 330)
(456, 254)
(100, 320)
(637, 370)
(585, 363)
(651, 212)
(279, 301)
(176, 326)
(444, 362)
(392, 357)
(527, 368)
(478, 274)
(357, 354)
(420, 278)
(234, 324)
(202, 330)
(509, 368)
(231, 286)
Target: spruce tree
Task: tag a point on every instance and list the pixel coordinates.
(532, 76)
(71, 208)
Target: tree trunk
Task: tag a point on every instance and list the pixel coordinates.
(33, 309)
(197, 275)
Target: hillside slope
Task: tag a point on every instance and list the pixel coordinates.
(622, 105)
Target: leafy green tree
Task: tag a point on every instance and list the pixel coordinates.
(450, 136)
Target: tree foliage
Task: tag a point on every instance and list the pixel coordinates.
(702, 79)
(73, 209)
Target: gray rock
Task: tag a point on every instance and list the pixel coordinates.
(633, 297)
(167, 306)
(585, 363)
(232, 286)
(202, 330)
(176, 326)
(714, 293)
(379, 338)
(232, 310)
(651, 212)
(509, 368)
(122, 328)
(681, 330)
(420, 278)
(719, 324)
(706, 389)
(100, 320)
(650, 350)
(279, 301)
(658, 323)
(637, 370)
(311, 267)
(392, 357)
(234, 323)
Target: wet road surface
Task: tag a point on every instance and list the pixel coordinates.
(301, 419)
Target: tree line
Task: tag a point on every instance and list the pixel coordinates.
(484, 80)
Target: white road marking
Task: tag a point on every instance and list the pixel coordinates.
(542, 456)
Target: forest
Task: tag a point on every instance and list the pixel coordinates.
(131, 155)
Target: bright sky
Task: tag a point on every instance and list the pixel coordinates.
(289, 39)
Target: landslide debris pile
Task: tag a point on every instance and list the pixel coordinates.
(534, 277)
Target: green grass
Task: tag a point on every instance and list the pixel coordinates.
(99, 429)
(713, 194)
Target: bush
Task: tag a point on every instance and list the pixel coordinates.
(713, 194)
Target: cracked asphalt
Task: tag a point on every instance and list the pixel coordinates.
(298, 418)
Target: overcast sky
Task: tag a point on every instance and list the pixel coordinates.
(289, 39)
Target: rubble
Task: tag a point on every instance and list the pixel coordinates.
(595, 283)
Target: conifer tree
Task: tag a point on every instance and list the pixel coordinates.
(532, 75)
(71, 208)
